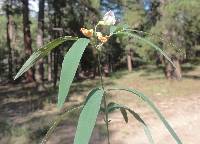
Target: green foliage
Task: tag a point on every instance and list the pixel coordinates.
(118, 28)
(143, 40)
(3, 51)
(69, 67)
(95, 3)
(179, 25)
(2, 32)
(135, 14)
(41, 52)
(88, 116)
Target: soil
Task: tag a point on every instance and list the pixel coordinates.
(183, 113)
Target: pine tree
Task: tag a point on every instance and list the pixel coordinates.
(27, 37)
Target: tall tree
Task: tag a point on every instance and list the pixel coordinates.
(179, 25)
(9, 29)
(39, 74)
(129, 60)
(135, 16)
(27, 37)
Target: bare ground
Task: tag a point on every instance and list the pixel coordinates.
(182, 113)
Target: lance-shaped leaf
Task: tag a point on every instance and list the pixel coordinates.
(118, 28)
(88, 116)
(124, 114)
(143, 40)
(69, 67)
(41, 52)
(113, 106)
(151, 104)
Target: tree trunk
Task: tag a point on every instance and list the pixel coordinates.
(177, 71)
(129, 62)
(57, 20)
(170, 71)
(9, 31)
(110, 63)
(55, 64)
(50, 67)
(27, 38)
(39, 74)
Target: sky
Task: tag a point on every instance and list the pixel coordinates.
(33, 5)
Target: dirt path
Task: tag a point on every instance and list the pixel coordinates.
(182, 113)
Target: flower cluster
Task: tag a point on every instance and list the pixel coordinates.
(86, 32)
(108, 19)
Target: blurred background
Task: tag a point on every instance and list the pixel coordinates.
(28, 104)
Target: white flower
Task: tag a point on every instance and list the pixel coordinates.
(108, 19)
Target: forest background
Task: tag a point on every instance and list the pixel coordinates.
(26, 25)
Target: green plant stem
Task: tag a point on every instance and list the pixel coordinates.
(104, 98)
(102, 85)
(100, 72)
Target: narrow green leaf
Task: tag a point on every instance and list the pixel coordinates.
(146, 129)
(113, 29)
(150, 103)
(69, 67)
(57, 122)
(124, 114)
(102, 109)
(88, 116)
(113, 106)
(41, 52)
(118, 28)
(143, 40)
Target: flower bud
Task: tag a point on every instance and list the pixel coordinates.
(86, 32)
(103, 39)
